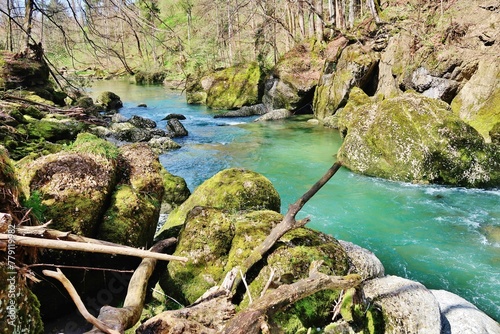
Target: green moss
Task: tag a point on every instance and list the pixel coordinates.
(88, 143)
(205, 240)
(34, 202)
(18, 300)
(231, 189)
(234, 87)
(128, 219)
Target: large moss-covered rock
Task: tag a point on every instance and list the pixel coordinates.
(294, 78)
(478, 103)
(19, 307)
(215, 241)
(355, 67)
(417, 139)
(228, 88)
(109, 101)
(231, 189)
(73, 186)
(135, 205)
(22, 71)
(290, 261)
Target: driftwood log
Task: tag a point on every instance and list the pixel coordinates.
(120, 319)
(87, 247)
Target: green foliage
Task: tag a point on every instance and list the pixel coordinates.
(34, 202)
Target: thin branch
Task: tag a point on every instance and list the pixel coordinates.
(58, 275)
(92, 248)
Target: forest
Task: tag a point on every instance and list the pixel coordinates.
(177, 37)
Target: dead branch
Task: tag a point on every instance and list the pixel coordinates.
(127, 316)
(47, 233)
(253, 318)
(232, 279)
(86, 247)
(58, 275)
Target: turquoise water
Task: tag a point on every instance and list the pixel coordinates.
(433, 234)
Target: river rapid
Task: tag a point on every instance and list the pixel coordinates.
(444, 237)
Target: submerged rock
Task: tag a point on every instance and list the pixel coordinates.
(274, 115)
(175, 128)
(414, 138)
(245, 111)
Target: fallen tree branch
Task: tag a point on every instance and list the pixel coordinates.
(127, 316)
(47, 233)
(232, 279)
(58, 275)
(92, 248)
(253, 318)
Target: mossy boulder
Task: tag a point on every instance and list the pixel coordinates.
(290, 260)
(19, 307)
(135, 205)
(73, 185)
(233, 87)
(150, 78)
(355, 67)
(294, 78)
(176, 191)
(109, 101)
(414, 138)
(231, 189)
(26, 130)
(22, 72)
(478, 103)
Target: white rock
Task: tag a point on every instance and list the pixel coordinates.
(462, 317)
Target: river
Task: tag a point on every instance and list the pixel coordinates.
(439, 236)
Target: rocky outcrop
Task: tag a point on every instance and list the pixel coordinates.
(478, 102)
(415, 139)
(294, 78)
(407, 306)
(346, 67)
(229, 88)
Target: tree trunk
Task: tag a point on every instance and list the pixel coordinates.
(28, 20)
